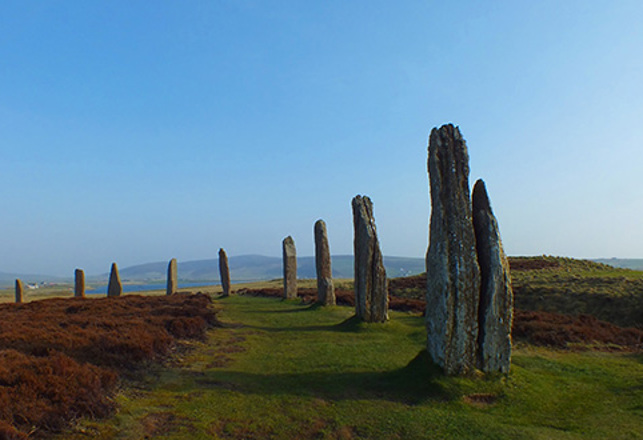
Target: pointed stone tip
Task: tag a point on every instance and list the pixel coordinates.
(480, 196)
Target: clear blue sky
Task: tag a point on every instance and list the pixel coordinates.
(138, 131)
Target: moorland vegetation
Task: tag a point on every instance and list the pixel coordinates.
(264, 367)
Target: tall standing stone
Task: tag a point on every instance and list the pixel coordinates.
(453, 274)
(20, 291)
(325, 288)
(79, 283)
(172, 277)
(495, 315)
(224, 272)
(290, 268)
(371, 287)
(114, 288)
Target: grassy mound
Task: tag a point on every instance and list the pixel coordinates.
(539, 323)
(60, 358)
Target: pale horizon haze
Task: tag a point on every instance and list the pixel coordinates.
(138, 131)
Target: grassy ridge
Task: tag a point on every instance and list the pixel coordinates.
(286, 370)
(573, 287)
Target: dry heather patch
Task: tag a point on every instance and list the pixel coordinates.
(60, 358)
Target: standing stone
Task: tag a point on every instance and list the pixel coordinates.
(290, 268)
(79, 283)
(20, 291)
(172, 278)
(224, 272)
(371, 287)
(495, 315)
(114, 288)
(325, 288)
(453, 275)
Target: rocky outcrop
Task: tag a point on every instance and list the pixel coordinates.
(495, 315)
(172, 277)
(20, 291)
(224, 272)
(453, 275)
(325, 288)
(371, 292)
(79, 283)
(114, 288)
(290, 268)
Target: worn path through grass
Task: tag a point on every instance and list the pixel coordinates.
(285, 370)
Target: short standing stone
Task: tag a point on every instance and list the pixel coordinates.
(325, 288)
(20, 291)
(290, 268)
(371, 287)
(79, 283)
(496, 296)
(453, 275)
(172, 277)
(114, 288)
(224, 272)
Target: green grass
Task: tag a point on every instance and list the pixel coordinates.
(284, 370)
(580, 286)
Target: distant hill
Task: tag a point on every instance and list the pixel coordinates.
(625, 263)
(257, 268)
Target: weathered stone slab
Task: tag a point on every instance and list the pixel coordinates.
(20, 291)
(371, 286)
(224, 272)
(115, 287)
(453, 275)
(172, 277)
(290, 268)
(79, 283)
(325, 287)
(495, 315)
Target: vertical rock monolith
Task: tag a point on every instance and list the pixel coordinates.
(172, 277)
(290, 268)
(114, 288)
(224, 272)
(325, 288)
(20, 291)
(371, 287)
(79, 283)
(495, 314)
(453, 274)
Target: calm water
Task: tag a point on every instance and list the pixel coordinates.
(145, 287)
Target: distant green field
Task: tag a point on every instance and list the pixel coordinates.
(284, 370)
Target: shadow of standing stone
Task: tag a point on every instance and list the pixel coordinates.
(290, 268)
(495, 316)
(371, 289)
(114, 288)
(453, 274)
(79, 283)
(20, 291)
(325, 287)
(172, 277)
(224, 272)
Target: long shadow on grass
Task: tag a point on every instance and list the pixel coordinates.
(417, 382)
(297, 307)
(352, 324)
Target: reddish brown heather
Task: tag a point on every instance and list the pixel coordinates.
(556, 330)
(59, 358)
